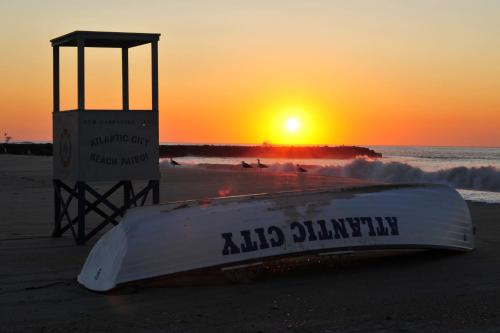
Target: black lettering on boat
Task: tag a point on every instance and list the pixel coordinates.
(382, 230)
(248, 245)
(324, 232)
(339, 228)
(301, 236)
(263, 244)
(368, 221)
(229, 246)
(355, 226)
(263, 238)
(279, 240)
(393, 225)
(310, 230)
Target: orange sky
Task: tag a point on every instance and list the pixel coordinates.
(351, 72)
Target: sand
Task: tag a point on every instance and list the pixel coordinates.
(427, 291)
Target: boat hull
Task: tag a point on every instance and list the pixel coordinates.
(178, 237)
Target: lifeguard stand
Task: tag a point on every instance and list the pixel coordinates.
(115, 146)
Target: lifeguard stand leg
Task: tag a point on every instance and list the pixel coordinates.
(81, 213)
(155, 184)
(57, 210)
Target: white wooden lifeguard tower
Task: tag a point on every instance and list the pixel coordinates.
(113, 146)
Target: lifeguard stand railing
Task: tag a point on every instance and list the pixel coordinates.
(113, 146)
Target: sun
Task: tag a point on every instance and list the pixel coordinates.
(292, 125)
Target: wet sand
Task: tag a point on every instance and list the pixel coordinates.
(425, 291)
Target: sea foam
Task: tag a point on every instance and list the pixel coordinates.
(485, 178)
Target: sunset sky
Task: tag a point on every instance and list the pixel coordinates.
(343, 72)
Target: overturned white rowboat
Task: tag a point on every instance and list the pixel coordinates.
(161, 240)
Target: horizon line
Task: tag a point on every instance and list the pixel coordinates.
(183, 143)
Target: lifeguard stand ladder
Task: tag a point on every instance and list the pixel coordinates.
(114, 146)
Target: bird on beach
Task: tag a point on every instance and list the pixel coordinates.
(245, 165)
(173, 162)
(260, 165)
(300, 169)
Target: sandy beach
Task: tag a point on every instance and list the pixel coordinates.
(427, 291)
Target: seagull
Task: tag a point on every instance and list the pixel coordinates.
(260, 165)
(300, 169)
(173, 162)
(246, 165)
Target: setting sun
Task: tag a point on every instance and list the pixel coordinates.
(294, 121)
(292, 125)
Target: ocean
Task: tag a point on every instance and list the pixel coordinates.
(474, 172)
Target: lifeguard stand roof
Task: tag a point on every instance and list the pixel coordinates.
(105, 39)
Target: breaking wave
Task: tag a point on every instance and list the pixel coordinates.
(476, 178)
